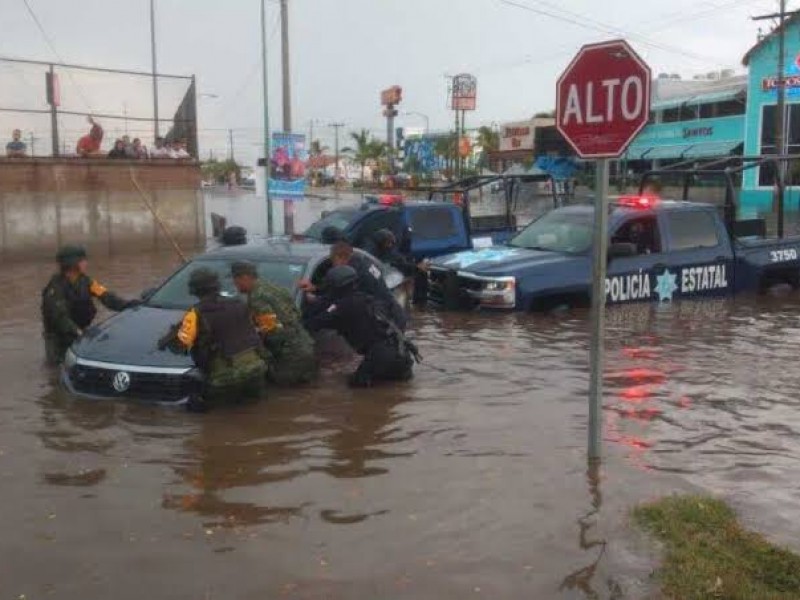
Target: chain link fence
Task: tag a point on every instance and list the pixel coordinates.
(121, 102)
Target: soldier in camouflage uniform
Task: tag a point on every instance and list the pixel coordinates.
(220, 336)
(68, 302)
(278, 322)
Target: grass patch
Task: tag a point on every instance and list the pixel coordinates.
(709, 555)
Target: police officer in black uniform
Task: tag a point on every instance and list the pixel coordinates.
(361, 320)
(68, 302)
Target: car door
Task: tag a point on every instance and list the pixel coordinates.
(632, 278)
(699, 261)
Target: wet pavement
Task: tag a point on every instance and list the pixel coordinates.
(468, 482)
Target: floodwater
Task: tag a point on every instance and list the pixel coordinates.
(469, 482)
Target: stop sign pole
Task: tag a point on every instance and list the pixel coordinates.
(603, 102)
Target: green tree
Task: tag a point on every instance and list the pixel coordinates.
(367, 149)
(546, 114)
(218, 171)
(488, 139)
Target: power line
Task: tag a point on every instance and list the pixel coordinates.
(52, 47)
(592, 24)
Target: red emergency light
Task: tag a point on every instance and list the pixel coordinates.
(390, 199)
(638, 201)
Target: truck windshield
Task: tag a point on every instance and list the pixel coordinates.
(558, 231)
(338, 218)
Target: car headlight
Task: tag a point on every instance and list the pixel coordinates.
(70, 359)
(498, 286)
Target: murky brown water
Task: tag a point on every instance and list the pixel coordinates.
(470, 481)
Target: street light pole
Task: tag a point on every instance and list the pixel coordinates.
(155, 66)
(288, 207)
(270, 228)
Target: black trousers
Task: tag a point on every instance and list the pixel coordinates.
(384, 361)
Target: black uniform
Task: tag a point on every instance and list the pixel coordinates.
(359, 318)
(371, 282)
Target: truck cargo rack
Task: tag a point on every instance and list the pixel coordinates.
(727, 168)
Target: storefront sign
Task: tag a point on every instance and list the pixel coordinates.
(516, 136)
(770, 84)
(697, 132)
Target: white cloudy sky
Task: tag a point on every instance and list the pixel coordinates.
(345, 51)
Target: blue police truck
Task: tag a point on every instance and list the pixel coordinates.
(659, 251)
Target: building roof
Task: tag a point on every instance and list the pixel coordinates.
(791, 20)
(669, 93)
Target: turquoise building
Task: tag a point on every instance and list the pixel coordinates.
(760, 126)
(723, 114)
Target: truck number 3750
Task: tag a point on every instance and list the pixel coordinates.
(784, 255)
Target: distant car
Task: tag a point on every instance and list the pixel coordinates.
(119, 358)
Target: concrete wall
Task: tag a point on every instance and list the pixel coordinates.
(45, 203)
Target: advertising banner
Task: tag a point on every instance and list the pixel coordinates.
(287, 166)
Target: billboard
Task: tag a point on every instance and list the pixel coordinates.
(287, 166)
(392, 96)
(465, 92)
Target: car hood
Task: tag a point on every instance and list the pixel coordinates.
(131, 338)
(498, 260)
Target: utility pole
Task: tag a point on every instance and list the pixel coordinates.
(336, 128)
(780, 117)
(270, 228)
(231, 153)
(33, 144)
(155, 66)
(288, 207)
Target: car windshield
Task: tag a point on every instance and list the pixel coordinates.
(338, 218)
(175, 292)
(558, 231)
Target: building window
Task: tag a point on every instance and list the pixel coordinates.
(684, 112)
(729, 108)
(769, 126)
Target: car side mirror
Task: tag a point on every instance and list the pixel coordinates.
(145, 295)
(621, 250)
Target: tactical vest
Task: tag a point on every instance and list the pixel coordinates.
(78, 298)
(226, 324)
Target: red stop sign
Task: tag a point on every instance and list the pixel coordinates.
(603, 99)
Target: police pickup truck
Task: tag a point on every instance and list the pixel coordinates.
(659, 251)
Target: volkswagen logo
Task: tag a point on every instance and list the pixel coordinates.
(121, 382)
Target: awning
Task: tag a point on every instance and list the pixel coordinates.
(721, 96)
(682, 151)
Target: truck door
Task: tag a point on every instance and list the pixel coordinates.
(632, 278)
(436, 230)
(391, 219)
(699, 260)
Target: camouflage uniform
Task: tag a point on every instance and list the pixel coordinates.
(68, 308)
(218, 335)
(289, 344)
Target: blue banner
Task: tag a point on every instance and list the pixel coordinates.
(287, 166)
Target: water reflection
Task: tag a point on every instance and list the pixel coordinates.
(238, 460)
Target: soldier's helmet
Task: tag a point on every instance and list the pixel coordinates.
(384, 238)
(341, 278)
(203, 281)
(70, 256)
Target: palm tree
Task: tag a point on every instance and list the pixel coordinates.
(445, 147)
(488, 139)
(363, 151)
